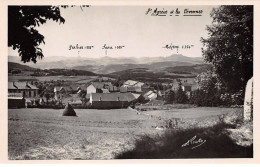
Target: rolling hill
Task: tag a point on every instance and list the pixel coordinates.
(106, 65)
(194, 69)
(163, 75)
(12, 65)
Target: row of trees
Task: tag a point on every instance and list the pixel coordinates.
(210, 93)
(177, 97)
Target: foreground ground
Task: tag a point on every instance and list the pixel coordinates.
(94, 134)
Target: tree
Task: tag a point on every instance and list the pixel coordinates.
(181, 96)
(22, 34)
(229, 46)
(197, 97)
(171, 97)
(209, 90)
(208, 81)
(47, 95)
(118, 82)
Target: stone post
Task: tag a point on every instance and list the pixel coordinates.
(248, 101)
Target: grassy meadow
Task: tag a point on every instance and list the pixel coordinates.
(94, 134)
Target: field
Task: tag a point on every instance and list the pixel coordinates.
(94, 134)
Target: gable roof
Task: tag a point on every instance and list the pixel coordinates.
(75, 87)
(136, 95)
(101, 85)
(148, 93)
(152, 95)
(132, 83)
(20, 85)
(113, 96)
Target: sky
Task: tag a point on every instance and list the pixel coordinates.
(139, 34)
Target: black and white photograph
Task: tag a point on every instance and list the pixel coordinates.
(109, 82)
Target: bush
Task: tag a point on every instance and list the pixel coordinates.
(171, 145)
(201, 98)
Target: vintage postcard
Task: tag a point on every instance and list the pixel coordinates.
(121, 80)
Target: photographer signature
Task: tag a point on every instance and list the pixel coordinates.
(194, 142)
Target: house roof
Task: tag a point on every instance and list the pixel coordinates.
(123, 89)
(134, 89)
(75, 87)
(113, 97)
(16, 98)
(148, 93)
(20, 85)
(101, 85)
(152, 95)
(136, 95)
(132, 83)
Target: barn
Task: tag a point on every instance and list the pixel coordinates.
(16, 102)
(112, 100)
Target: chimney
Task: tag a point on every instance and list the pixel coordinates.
(14, 85)
(27, 85)
(117, 98)
(100, 98)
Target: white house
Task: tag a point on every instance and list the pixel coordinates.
(98, 87)
(188, 84)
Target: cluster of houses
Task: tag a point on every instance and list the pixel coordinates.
(100, 94)
(187, 84)
(19, 92)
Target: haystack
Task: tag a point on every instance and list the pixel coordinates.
(69, 111)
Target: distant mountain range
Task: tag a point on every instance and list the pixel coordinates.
(106, 65)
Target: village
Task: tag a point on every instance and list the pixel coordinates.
(101, 93)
